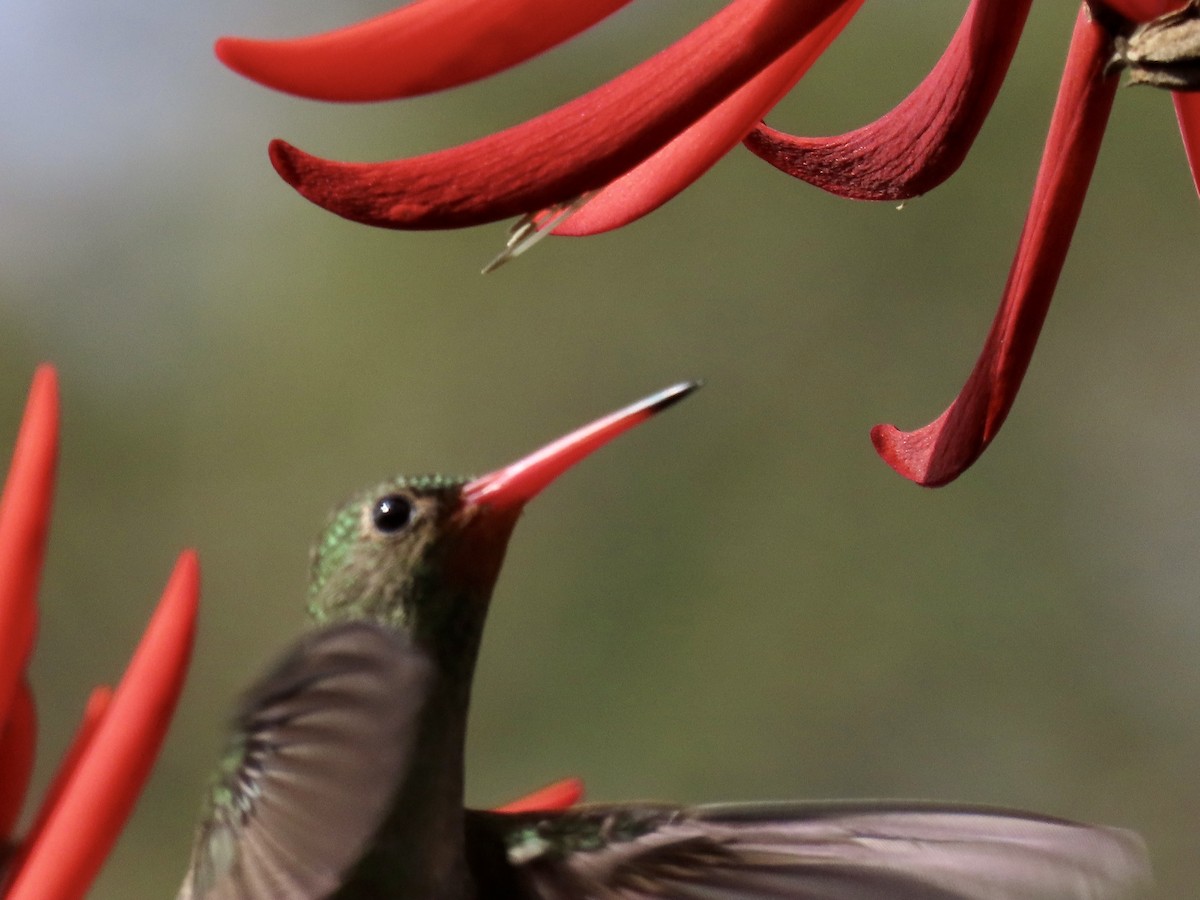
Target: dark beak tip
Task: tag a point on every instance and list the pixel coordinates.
(672, 395)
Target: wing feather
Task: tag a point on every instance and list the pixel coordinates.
(831, 851)
(319, 743)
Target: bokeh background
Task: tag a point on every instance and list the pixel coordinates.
(739, 600)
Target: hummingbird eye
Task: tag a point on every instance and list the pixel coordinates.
(391, 513)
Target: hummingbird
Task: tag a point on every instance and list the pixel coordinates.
(343, 774)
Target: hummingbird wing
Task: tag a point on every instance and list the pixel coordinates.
(803, 851)
(311, 767)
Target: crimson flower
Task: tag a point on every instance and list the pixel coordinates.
(922, 141)
(102, 773)
(626, 147)
(622, 150)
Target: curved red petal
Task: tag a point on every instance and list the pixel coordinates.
(1187, 111)
(559, 795)
(24, 525)
(942, 450)
(17, 741)
(568, 151)
(416, 49)
(652, 183)
(100, 792)
(923, 141)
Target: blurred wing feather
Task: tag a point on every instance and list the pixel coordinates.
(319, 743)
(833, 851)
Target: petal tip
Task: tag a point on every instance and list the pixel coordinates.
(908, 454)
(46, 372)
(43, 390)
(188, 563)
(239, 55)
(185, 579)
(286, 158)
(225, 49)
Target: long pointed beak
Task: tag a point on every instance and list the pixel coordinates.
(515, 485)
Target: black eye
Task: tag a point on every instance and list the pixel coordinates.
(391, 513)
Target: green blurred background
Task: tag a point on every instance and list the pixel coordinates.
(737, 601)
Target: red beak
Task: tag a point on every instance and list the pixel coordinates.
(518, 483)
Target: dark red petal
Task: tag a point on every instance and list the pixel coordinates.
(1143, 10)
(559, 795)
(568, 151)
(17, 741)
(99, 794)
(24, 524)
(942, 450)
(416, 49)
(652, 183)
(923, 141)
(1187, 110)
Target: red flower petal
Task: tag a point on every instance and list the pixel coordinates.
(651, 184)
(923, 141)
(17, 741)
(559, 795)
(413, 50)
(100, 792)
(568, 151)
(1143, 10)
(1187, 110)
(942, 450)
(24, 523)
(93, 714)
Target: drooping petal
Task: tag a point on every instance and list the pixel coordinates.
(24, 525)
(923, 141)
(18, 737)
(568, 151)
(101, 790)
(1187, 111)
(939, 452)
(652, 183)
(559, 795)
(419, 48)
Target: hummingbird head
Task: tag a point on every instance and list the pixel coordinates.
(423, 554)
(386, 553)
